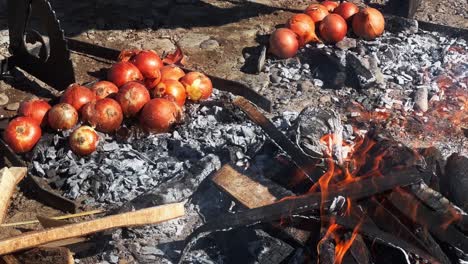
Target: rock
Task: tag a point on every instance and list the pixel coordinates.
(209, 44)
(325, 99)
(261, 59)
(421, 99)
(12, 106)
(192, 40)
(346, 43)
(275, 78)
(4, 99)
(256, 82)
(305, 86)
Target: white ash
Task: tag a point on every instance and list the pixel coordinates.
(123, 170)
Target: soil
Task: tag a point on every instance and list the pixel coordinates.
(217, 36)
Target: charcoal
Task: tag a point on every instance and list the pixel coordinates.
(455, 182)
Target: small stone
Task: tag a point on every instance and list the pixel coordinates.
(12, 106)
(325, 99)
(274, 78)
(4, 99)
(209, 44)
(305, 86)
(346, 44)
(421, 99)
(318, 82)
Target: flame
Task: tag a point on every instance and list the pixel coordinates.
(343, 246)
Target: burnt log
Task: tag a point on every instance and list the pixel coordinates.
(455, 183)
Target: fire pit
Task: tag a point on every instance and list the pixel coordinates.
(362, 160)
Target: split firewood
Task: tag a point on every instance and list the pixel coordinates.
(9, 178)
(146, 216)
(253, 194)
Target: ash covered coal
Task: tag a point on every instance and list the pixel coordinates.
(122, 170)
(396, 71)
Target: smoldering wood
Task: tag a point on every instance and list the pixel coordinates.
(455, 182)
(422, 215)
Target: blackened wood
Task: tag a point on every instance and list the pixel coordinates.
(359, 188)
(419, 213)
(360, 251)
(34, 187)
(303, 161)
(440, 204)
(432, 245)
(326, 251)
(454, 184)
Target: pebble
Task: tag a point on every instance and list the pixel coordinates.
(421, 99)
(274, 78)
(209, 44)
(4, 99)
(325, 99)
(346, 43)
(305, 86)
(12, 106)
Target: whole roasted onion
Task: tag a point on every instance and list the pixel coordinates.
(62, 116)
(284, 43)
(77, 96)
(304, 27)
(317, 12)
(333, 28)
(159, 115)
(148, 62)
(36, 109)
(22, 133)
(83, 141)
(197, 86)
(105, 115)
(171, 72)
(171, 89)
(132, 97)
(123, 72)
(369, 23)
(330, 5)
(346, 10)
(104, 89)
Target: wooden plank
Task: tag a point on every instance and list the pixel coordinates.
(253, 194)
(8, 181)
(146, 216)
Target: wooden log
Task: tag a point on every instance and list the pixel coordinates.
(9, 178)
(253, 194)
(146, 216)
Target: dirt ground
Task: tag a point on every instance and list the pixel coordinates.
(217, 36)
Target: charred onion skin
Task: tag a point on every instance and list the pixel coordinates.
(36, 109)
(197, 86)
(148, 62)
(159, 115)
(123, 72)
(22, 134)
(62, 116)
(346, 10)
(369, 23)
(83, 141)
(284, 43)
(333, 28)
(105, 115)
(173, 89)
(304, 27)
(132, 97)
(317, 12)
(77, 96)
(104, 89)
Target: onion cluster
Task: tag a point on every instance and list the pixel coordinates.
(329, 20)
(139, 86)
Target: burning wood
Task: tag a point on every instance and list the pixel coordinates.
(147, 216)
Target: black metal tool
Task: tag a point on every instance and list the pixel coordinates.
(42, 51)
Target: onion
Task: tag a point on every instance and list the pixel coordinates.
(77, 96)
(346, 10)
(83, 141)
(105, 115)
(172, 89)
(159, 114)
(330, 5)
(333, 28)
(369, 23)
(132, 97)
(171, 72)
(317, 12)
(304, 27)
(123, 72)
(62, 116)
(104, 89)
(197, 86)
(284, 43)
(22, 133)
(36, 109)
(148, 62)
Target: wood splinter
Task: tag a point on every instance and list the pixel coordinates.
(146, 216)
(9, 179)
